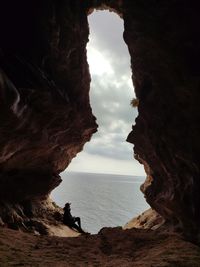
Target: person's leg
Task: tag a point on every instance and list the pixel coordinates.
(79, 229)
(78, 220)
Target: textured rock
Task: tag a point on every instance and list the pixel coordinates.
(164, 45)
(111, 247)
(149, 219)
(45, 113)
(44, 92)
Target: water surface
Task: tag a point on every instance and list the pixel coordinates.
(101, 199)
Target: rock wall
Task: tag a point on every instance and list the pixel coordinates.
(45, 112)
(164, 41)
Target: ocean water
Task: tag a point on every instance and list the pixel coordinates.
(101, 200)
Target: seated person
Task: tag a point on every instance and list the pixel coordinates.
(70, 221)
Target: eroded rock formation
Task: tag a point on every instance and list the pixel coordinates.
(149, 219)
(163, 40)
(45, 112)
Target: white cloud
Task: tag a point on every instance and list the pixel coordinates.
(110, 96)
(99, 65)
(86, 162)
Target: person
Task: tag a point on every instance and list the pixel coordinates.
(71, 221)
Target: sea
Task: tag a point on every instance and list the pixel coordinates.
(101, 200)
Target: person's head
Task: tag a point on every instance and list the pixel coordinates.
(67, 205)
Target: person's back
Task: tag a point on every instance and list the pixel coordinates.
(67, 217)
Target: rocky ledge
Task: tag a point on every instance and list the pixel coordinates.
(111, 247)
(149, 219)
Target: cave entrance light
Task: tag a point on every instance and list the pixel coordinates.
(110, 95)
(95, 182)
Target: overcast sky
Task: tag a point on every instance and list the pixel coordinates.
(110, 94)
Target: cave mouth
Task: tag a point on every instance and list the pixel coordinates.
(45, 83)
(107, 158)
(46, 116)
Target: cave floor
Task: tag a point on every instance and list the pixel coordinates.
(111, 247)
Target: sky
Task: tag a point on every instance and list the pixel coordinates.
(110, 95)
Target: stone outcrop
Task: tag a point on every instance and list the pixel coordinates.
(163, 40)
(149, 219)
(45, 112)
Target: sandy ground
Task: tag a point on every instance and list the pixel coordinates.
(111, 247)
(62, 231)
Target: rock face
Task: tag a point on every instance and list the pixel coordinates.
(44, 85)
(164, 45)
(45, 112)
(149, 219)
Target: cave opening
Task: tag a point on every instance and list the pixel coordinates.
(103, 181)
(46, 119)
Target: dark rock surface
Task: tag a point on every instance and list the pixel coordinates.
(110, 247)
(164, 41)
(45, 115)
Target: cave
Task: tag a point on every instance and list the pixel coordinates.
(103, 181)
(46, 116)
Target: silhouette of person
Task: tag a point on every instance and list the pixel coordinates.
(70, 221)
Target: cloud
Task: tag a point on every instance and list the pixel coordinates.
(106, 35)
(110, 96)
(85, 162)
(107, 32)
(98, 63)
(111, 103)
(111, 148)
(111, 87)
